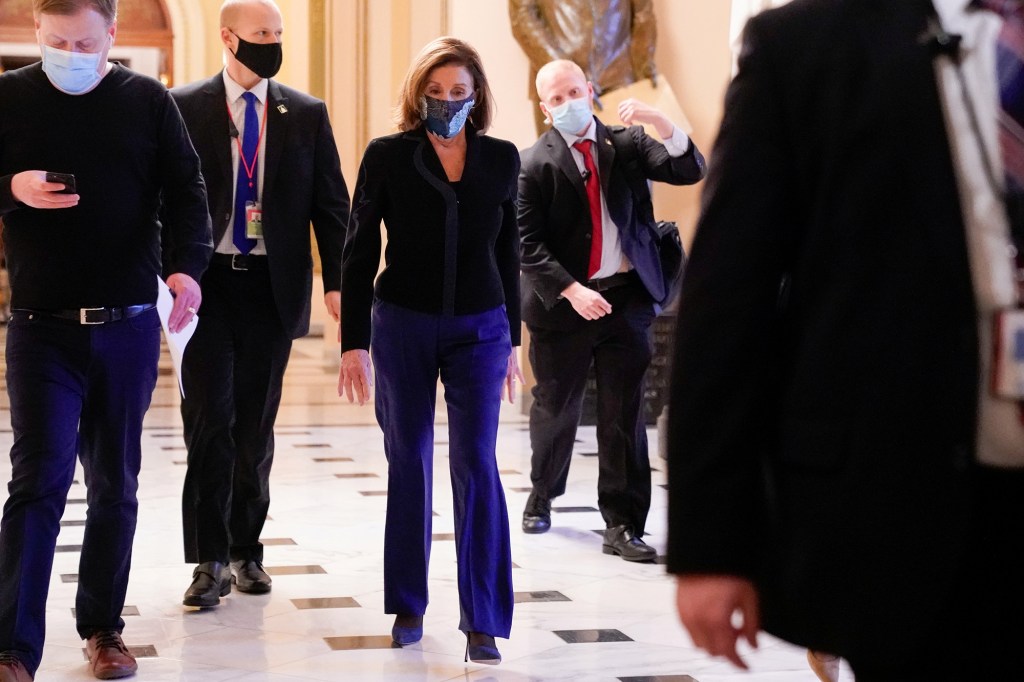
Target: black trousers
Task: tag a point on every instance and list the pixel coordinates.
(232, 373)
(979, 633)
(619, 345)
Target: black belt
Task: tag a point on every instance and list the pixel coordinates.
(617, 280)
(240, 262)
(92, 315)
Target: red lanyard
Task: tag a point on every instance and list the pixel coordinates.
(249, 167)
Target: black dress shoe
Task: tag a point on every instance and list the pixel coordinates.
(210, 581)
(621, 540)
(537, 515)
(249, 576)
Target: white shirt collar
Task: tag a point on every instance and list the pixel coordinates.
(235, 91)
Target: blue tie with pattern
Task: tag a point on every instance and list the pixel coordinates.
(247, 185)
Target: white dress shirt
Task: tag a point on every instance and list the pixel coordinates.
(613, 260)
(1000, 432)
(237, 107)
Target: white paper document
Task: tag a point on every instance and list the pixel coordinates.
(175, 342)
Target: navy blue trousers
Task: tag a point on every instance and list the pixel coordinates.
(74, 390)
(470, 354)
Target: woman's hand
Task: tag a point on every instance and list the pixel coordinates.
(355, 377)
(512, 375)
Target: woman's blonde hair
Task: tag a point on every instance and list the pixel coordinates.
(445, 51)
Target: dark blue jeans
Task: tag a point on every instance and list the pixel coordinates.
(470, 354)
(74, 390)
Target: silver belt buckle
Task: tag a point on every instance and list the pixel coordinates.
(234, 257)
(83, 315)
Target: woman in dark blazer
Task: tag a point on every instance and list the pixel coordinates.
(446, 304)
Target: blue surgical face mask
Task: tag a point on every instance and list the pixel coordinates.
(572, 116)
(72, 72)
(445, 118)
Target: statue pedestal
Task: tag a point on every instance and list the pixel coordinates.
(661, 97)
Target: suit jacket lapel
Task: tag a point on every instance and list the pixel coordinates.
(605, 157)
(218, 132)
(278, 121)
(559, 153)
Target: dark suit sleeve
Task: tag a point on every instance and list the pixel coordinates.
(329, 212)
(548, 277)
(659, 166)
(722, 385)
(360, 257)
(507, 251)
(186, 234)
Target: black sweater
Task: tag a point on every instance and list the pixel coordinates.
(401, 181)
(126, 145)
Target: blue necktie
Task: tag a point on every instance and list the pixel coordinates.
(247, 187)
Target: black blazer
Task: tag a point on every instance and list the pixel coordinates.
(825, 379)
(554, 218)
(450, 249)
(302, 183)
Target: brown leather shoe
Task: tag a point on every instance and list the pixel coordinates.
(109, 658)
(11, 669)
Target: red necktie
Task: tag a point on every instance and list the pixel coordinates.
(593, 184)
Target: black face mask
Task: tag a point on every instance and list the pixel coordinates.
(263, 59)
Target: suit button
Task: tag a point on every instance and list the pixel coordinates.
(588, 235)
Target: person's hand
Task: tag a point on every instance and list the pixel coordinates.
(354, 377)
(332, 299)
(706, 605)
(588, 303)
(187, 298)
(32, 189)
(512, 375)
(634, 112)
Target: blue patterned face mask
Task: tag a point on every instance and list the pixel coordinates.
(445, 118)
(72, 72)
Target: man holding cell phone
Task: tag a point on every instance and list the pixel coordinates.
(88, 149)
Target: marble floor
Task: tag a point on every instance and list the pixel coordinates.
(580, 615)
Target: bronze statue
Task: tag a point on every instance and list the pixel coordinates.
(611, 40)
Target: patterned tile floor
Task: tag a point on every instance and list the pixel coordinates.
(580, 615)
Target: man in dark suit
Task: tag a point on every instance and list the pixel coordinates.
(591, 284)
(271, 167)
(840, 469)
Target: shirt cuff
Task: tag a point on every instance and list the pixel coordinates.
(678, 144)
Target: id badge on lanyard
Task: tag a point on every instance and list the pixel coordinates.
(1008, 354)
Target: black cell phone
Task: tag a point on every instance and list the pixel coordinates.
(67, 179)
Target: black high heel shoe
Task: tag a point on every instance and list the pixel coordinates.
(483, 651)
(407, 629)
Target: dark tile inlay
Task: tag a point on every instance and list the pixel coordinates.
(663, 485)
(293, 570)
(69, 577)
(76, 500)
(373, 493)
(126, 611)
(527, 597)
(588, 454)
(269, 542)
(573, 510)
(72, 522)
(509, 472)
(659, 678)
(441, 537)
(69, 548)
(179, 462)
(356, 476)
(369, 642)
(332, 459)
(326, 603)
(522, 490)
(311, 445)
(140, 651)
(173, 447)
(592, 636)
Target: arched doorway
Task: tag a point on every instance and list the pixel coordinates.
(145, 40)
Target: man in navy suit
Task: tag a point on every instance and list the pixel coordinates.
(271, 167)
(842, 470)
(592, 282)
